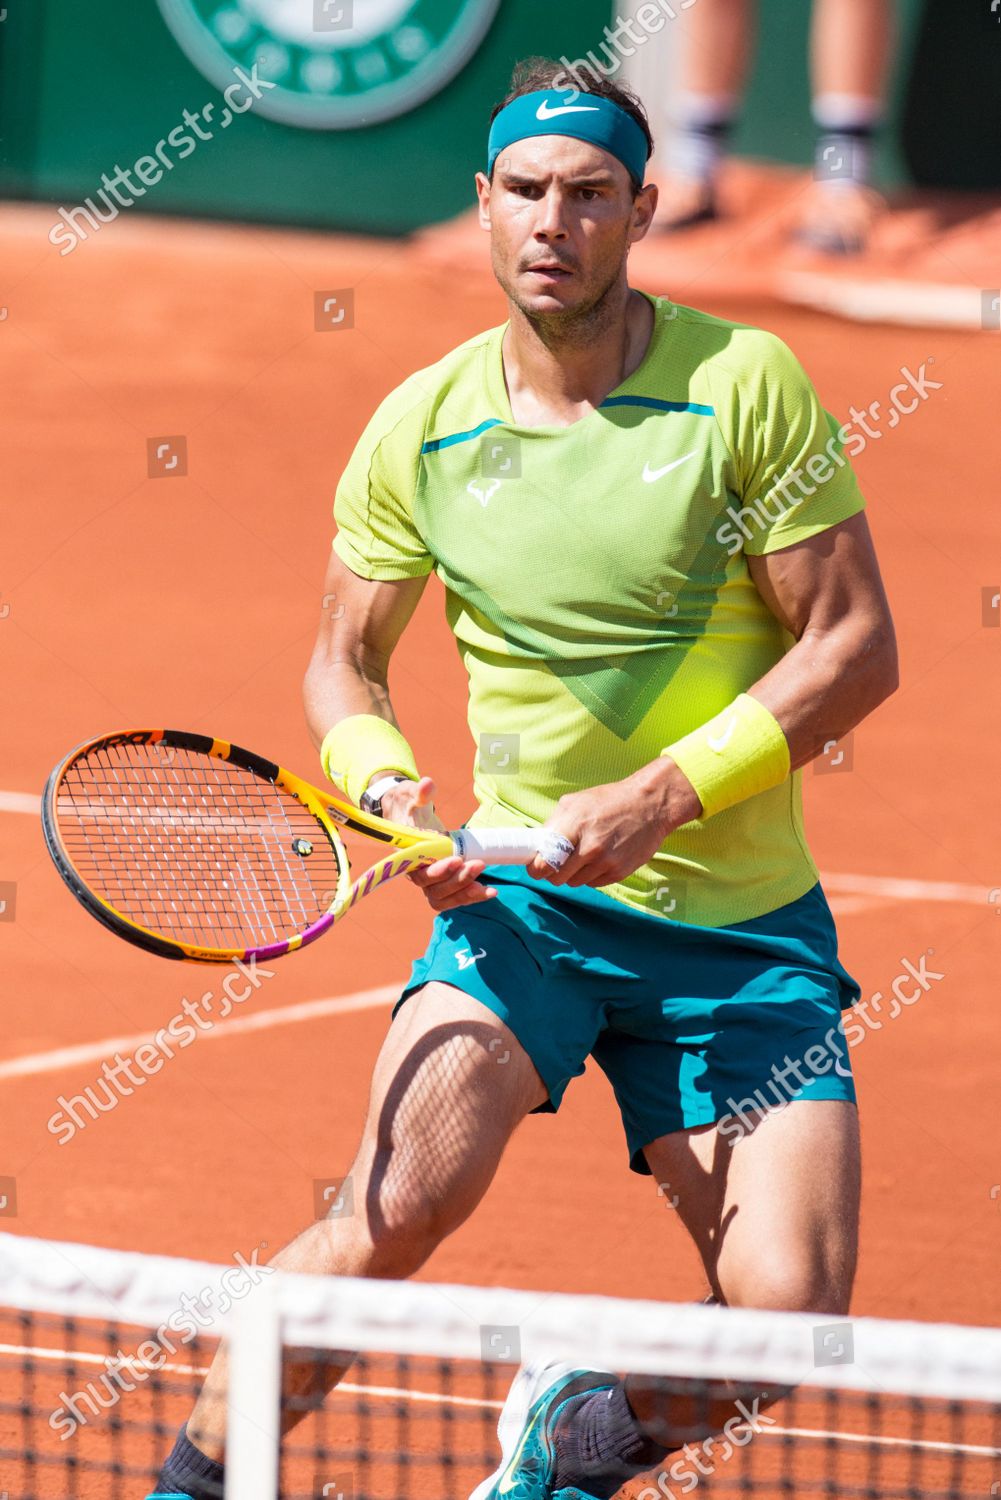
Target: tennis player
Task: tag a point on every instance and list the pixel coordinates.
(663, 590)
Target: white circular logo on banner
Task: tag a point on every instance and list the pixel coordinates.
(333, 64)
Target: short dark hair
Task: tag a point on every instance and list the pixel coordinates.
(534, 74)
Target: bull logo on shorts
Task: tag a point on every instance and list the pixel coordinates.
(332, 64)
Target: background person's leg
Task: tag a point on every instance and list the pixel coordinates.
(450, 1085)
(716, 46)
(851, 42)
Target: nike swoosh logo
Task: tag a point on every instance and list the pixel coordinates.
(651, 474)
(546, 112)
(720, 742)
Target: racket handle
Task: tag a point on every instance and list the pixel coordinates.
(512, 846)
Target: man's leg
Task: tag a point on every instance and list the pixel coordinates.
(774, 1215)
(450, 1085)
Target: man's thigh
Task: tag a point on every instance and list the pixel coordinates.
(450, 1085)
(773, 1212)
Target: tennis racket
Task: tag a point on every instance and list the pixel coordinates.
(192, 848)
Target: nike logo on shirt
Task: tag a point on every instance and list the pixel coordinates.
(651, 474)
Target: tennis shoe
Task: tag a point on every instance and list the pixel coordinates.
(537, 1399)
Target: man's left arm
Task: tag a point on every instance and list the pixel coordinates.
(827, 592)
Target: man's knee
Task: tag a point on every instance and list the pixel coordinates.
(395, 1222)
(788, 1281)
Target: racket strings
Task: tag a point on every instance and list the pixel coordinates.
(194, 847)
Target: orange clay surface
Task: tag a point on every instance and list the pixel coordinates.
(192, 601)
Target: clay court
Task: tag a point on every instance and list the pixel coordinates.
(192, 599)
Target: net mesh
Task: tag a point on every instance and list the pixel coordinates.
(194, 847)
(102, 1353)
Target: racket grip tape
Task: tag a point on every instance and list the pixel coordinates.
(512, 846)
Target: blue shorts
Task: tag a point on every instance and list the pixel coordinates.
(691, 1025)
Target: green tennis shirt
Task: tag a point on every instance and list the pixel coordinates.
(596, 576)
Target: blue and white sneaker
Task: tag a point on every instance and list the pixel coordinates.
(535, 1402)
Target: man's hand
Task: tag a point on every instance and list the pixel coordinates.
(620, 826)
(448, 882)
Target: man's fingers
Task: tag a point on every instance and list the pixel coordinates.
(452, 883)
(412, 804)
(432, 874)
(446, 876)
(541, 869)
(468, 896)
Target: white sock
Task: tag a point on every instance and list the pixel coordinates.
(703, 122)
(846, 124)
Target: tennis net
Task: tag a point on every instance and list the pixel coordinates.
(102, 1352)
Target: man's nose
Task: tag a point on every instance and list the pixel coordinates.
(551, 221)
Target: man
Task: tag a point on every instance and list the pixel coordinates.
(660, 614)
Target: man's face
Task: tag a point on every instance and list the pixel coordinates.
(561, 215)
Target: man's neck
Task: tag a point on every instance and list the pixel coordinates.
(557, 373)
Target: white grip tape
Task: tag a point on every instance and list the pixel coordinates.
(512, 846)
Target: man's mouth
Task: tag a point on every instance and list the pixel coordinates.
(552, 269)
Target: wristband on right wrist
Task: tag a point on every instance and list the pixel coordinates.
(359, 746)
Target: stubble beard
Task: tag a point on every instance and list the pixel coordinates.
(573, 327)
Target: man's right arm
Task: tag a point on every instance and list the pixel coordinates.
(362, 623)
(348, 673)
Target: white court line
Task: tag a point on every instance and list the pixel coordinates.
(850, 906)
(20, 802)
(926, 304)
(284, 1015)
(137, 1366)
(895, 889)
(886, 1440)
(439, 1398)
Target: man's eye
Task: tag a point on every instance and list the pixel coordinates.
(589, 194)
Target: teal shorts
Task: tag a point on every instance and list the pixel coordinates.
(692, 1025)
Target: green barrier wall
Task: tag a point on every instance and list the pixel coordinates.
(87, 88)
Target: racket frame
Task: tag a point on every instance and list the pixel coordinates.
(414, 847)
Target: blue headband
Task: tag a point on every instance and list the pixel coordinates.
(585, 117)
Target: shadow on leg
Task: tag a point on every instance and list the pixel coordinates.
(774, 1216)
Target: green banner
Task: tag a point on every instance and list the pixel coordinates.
(366, 115)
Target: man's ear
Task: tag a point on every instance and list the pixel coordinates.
(644, 208)
(483, 189)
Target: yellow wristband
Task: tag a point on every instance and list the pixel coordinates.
(360, 745)
(741, 752)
